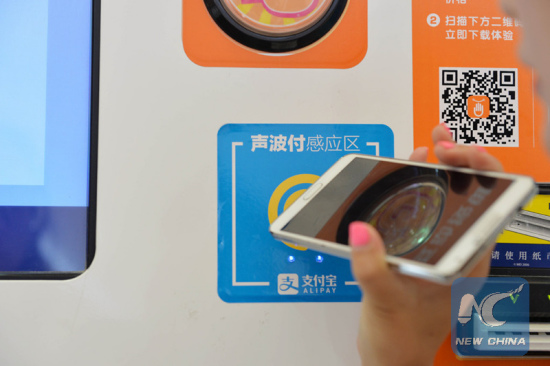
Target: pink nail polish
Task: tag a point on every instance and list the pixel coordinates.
(446, 144)
(359, 235)
(447, 128)
(481, 149)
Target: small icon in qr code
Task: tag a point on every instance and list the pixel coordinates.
(479, 106)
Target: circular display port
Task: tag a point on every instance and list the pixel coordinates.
(277, 17)
(276, 25)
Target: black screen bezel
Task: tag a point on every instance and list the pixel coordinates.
(92, 183)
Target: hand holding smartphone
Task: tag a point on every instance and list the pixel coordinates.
(435, 220)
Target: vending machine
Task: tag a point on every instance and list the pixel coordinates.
(156, 142)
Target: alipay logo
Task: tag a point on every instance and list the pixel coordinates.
(490, 317)
(288, 284)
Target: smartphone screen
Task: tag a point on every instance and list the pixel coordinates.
(420, 212)
(48, 127)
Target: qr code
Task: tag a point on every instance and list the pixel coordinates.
(480, 105)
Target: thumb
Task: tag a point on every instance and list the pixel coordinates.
(368, 263)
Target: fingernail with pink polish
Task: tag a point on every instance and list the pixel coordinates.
(359, 235)
(447, 128)
(446, 144)
(481, 149)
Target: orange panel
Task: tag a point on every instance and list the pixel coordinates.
(344, 46)
(446, 357)
(476, 35)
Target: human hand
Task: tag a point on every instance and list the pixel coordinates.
(478, 110)
(405, 319)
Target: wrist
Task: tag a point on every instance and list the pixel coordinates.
(397, 357)
(395, 342)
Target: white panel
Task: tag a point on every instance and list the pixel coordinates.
(150, 295)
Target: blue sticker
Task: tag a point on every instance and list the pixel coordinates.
(521, 255)
(263, 168)
(490, 317)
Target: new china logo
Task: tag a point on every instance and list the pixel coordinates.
(490, 317)
(485, 308)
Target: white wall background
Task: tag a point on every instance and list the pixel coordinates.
(150, 296)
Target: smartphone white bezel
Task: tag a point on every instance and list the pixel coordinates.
(458, 259)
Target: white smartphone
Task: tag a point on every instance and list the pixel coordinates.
(435, 220)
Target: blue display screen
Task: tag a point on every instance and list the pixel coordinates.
(45, 126)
